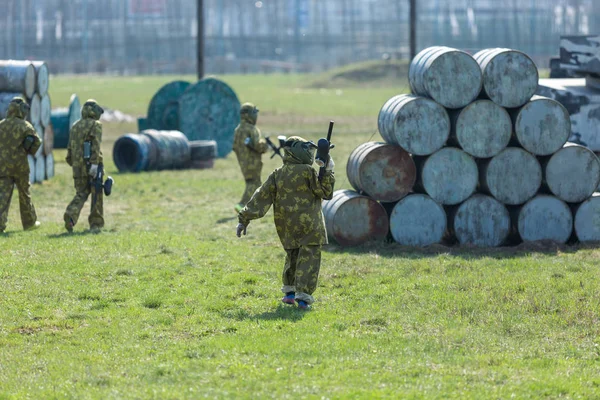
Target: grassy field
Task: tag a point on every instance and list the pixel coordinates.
(167, 303)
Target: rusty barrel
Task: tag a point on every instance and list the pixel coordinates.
(587, 220)
(449, 76)
(449, 175)
(541, 126)
(352, 219)
(418, 124)
(382, 171)
(48, 140)
(510, 77)
(18, 77)
(480, 221)
(545, 217)
(417, 220)
(572, 173)
(482, 129)
(512, 177)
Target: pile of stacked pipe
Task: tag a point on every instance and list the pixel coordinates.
(471, 157)
(30, 80)
(207, 110)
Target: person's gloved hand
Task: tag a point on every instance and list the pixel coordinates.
(330, 164)
(93, 170)
(241, 228)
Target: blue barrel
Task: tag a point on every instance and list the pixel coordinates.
(418, 124)
(417, 220)
(62, 119)
(482, 129)
(513, 176)
(449, 175)
(572, 173)
(510, 77)
(545, 217)
(172, 148)
(163, 110)
(143, 124)
(449, 76)
(210, 110)
(541, 126)
(587, 220)
(132, 153)
(480, 221)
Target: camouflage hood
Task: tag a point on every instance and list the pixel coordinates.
(91, 109)
(249, 113)
(298, 151)
(17, 108)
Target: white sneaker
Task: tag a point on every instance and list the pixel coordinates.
(34, 226)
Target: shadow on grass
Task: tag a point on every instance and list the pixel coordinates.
(67, 234)
(282, 312)
(225, 220)
(384, 249)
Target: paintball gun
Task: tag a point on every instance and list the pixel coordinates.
(100, 185)
(276, 150)
(323, 147)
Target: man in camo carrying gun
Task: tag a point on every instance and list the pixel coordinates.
(17, 139)
(85, 157)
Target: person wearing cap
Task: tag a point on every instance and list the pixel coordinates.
(249, 146)
(18, 139)
(83, 155)
(295, 191)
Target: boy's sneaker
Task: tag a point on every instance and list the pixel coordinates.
(303, 305)
(69, 225)
(35, 226)
(289, 298)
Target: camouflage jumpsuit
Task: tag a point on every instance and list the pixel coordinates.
(249, 156)
(14, 168)
(296, 194)
(88, 128)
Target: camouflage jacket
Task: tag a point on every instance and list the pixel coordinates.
(88, 128)
(249, 156)
(13, 131)
(295, 192)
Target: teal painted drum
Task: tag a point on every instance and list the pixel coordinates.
(545, 217)
(62, 119)
(512, 177)
(510, 77)
(449, 76)
(482, 129)
(480, 221)
(210, 110)
(418, 124)
(449, 175)
(417, 220)
(572, 173)
(163, 110)
(587, 220)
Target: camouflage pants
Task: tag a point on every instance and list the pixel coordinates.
(84, 189)
(301, 272)
(28, 215)
(251, 186)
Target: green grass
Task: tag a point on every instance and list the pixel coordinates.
(167, 303)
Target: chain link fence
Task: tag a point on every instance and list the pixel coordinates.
(242, 36)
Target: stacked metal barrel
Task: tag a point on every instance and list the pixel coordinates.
(471, 157)
(30, 80)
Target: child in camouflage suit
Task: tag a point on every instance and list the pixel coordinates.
(296, 193)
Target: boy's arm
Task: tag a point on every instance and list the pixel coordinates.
(322, 189)
(259, 144)
(96, 139)
(37, 141)
(260, 202)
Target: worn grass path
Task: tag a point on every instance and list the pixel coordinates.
(167, 303)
